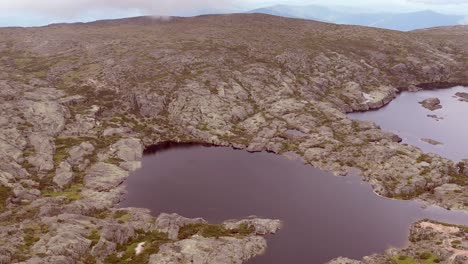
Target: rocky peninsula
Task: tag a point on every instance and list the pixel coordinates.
(81, 102)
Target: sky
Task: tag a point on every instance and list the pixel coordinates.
(43, 12)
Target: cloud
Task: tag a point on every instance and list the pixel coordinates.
(440, 2)
(67, 8)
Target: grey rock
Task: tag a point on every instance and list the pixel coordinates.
(442, 191)
(128, 149)
(431, 141)
(47, 117)
(44, 149)
(171, 223)
(72, 100)
(119, 234)
(103, 249)
(462, 96)
(431, 104)
(77, 154)
(111, 131)
(201, 250)
(65, 243)
(130, 165)
(150, 104)
(103, 176)
(344, 261)
(262, 226)
(63, 174)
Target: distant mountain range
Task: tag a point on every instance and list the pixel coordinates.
(396, 21)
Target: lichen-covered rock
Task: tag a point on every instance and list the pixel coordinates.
(171, 223)
(128, 149)
(77, 155)
(431, 104)
(117, 233)
(262, 226)
(44, 149)
(103, 249)
(65, 243)
(104, 176)
(200, 250)
(63, 174)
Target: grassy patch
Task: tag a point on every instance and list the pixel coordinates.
(214, 230)
(114, 160)
(153, 240)
(402, 259)
(424, 158)
(122, 215)
(73, 193)
(94, 237)
(5, 193)
(428, 257)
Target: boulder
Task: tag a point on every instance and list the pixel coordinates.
(171, 223)
(119, 234)
(128, 149)
(262, 226)
(462, 96)
(104, 176)
(77, 155)
(103, 249)
(63, 174)
(44, 150)
(431, 141)
(431, 104)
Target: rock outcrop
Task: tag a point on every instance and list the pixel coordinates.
(431, 104)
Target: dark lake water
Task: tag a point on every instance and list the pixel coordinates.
(407, 118)
(324, 216)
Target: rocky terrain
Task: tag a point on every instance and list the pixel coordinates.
(462, 96)
(431, 242)
(80, 102)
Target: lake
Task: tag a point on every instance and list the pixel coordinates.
(405, 117)
(324, 216)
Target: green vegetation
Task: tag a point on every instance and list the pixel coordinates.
(62, 146)
(428, 257)
(153, 240)
(122, 215)
(94, 237)
(114, 160)
(73, 193)
(402, 259)
(5, 193)
(214, 230)
(424, 158)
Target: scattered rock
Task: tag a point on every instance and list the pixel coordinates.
(431, 141)
(171, 223)
(462, 96)
(437, 118)
(431, 104)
